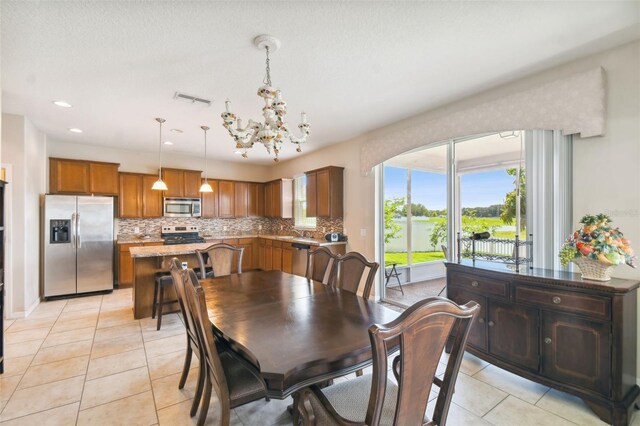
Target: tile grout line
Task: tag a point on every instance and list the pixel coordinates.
(30, 362)
(546, 411)
(86, 372)
(153, 395)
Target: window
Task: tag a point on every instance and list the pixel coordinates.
(300, 204)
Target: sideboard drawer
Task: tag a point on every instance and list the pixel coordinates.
(480, 285)
(593, 306)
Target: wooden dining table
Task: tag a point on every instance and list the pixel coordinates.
(295, 331)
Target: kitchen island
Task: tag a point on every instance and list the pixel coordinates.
(266, 252)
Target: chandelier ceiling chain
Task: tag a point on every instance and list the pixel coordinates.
(274, 130)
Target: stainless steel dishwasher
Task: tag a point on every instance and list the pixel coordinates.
(300, 258)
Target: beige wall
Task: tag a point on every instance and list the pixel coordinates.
(147, 162)
(24, 150)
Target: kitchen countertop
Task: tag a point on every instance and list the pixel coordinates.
(179, 249)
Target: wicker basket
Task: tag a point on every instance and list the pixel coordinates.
(593, 270)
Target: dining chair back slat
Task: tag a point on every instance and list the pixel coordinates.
(219, 259)
(349, 271)
(320, 264)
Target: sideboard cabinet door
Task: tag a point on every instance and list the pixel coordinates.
(478, 333)
(576, 350)
(513, 334)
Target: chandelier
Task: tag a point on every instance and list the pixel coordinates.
(273, 131)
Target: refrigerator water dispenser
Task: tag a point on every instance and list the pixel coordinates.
(59, 231)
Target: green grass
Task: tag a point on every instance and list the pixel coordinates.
(416, 257)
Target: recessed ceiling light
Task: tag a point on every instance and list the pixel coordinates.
(62, 104)
(238, 151)
(75, 130)
(176, 131)
(168, 143)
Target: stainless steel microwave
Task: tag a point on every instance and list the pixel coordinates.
(182, 207)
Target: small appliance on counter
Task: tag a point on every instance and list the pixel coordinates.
(181, 235)
(334, 237)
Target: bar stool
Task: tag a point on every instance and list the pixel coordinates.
(392, 273)
(163, 280)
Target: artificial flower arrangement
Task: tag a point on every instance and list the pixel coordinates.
(596, 240)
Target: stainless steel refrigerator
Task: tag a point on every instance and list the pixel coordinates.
(78, 244)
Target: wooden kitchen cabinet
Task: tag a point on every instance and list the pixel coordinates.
(174, 179)
(287, 258)
(276, 256)
(241, 194)
(182, 183)
(557, 329)
(125, 262)
(136, 198)
(192, 183)
(325, 192)
(226, 199)
(210, 200)
(152, 205)
(130, 195)
(82, 177)
(248, 254)
(255, 199)
(279, 198)
(268, 255)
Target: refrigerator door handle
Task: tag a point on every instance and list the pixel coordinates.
(78, 239)
(73, 230)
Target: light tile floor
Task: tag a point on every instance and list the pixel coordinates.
(87, 361)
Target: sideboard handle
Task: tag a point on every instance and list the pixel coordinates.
(556, 300)
(481, 320)
(491, 323)
(474, 283)
(547, 340)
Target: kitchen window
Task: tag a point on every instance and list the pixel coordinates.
(300, 204)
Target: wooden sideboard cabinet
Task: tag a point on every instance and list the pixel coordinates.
(557, 329)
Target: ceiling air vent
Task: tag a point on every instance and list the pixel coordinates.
(191, 99)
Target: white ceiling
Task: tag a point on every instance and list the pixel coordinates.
(352, 66)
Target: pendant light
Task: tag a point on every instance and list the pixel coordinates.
(159, 185)
(205, 186)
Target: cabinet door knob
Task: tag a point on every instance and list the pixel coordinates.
(481, 320)
(556, 300)
(547, 340)
(491, 323)
(474, 283)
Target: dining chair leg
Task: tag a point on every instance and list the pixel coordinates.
(206, 398)
(295, 414)
(160, 307)
(187, 364)
(155, 300)
(225, 413)
(198, 395)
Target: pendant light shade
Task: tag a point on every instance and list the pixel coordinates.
(159, 185)
(205, 185)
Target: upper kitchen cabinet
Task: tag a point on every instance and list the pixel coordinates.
(182, 183)
(241, 199)
(325, 192)
(82, 177)
(255, 199)
(136, 198)
(279, 198)
(210, 200)
(226, 199)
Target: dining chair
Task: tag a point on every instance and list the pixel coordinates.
(236, 382)
(320, 263)
(217, 260)
(349, 270)
(421, 331)
(193, 342)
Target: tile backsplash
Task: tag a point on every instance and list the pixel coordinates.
(253, 225)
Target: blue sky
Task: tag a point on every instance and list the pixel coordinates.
(477, 189)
